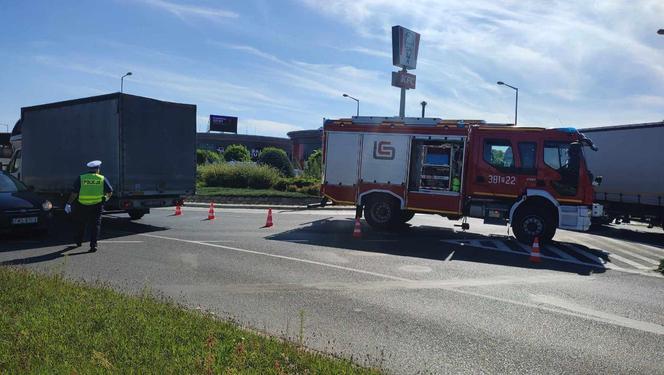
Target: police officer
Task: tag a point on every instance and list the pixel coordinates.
(90, 191)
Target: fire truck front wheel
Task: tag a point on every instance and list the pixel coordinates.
(382, 212)
(530, 222)
(406, 215)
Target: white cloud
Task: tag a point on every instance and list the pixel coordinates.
(184, 11)
(266, 127)
(571, 60)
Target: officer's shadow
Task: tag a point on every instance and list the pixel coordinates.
(45, 257)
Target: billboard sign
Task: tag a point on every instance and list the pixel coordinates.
(223, 124)
(405, 44)
(403, 80)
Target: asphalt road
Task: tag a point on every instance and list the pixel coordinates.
(428, 299)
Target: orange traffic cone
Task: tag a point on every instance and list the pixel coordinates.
(211, 211)
(535, 253)
(269, 223)
(357, 232)
(178, 210)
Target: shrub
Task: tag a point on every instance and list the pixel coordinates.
(278, 159)
(299, 182)
(311, 190)
(314, 165)
(236, 153)
(207, 156)
(238, 175)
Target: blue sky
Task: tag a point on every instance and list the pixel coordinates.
(283, 65)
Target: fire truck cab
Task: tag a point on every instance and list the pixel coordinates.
(536, 179)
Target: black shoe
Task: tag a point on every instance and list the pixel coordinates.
(93, 249)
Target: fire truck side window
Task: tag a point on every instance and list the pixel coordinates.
(499, 153)
(527, 152)
(556, 155)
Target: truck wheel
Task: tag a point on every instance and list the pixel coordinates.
(406, 215)
(382, 212)
(136, 214)
(531, 222)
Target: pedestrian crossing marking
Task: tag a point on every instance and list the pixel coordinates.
(565, 252)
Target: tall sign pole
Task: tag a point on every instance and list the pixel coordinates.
(405, 45)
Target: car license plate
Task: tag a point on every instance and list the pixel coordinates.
(24, 220)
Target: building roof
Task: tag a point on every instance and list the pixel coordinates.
(240, 137)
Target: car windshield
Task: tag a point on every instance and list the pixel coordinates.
(9, 184)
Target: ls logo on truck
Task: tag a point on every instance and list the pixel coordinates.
(383, 151)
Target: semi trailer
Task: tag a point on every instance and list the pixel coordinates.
(629, 160)
(390, 168)
(147, 149)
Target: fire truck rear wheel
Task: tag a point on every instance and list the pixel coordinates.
(382, 212)
(530, 222)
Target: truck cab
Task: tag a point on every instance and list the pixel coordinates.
(535, 178)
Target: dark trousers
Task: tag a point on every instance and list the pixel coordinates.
(88, 216)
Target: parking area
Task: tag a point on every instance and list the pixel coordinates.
(429, 298)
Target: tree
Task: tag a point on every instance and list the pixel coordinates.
(207, 156)
(314, 165)
(236, 153)
(278, 159)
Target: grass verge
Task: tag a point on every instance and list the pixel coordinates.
(238, 192)
(51, 325)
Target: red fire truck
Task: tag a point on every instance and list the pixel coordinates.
(536, 179)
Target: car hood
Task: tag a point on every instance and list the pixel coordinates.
(18, 200)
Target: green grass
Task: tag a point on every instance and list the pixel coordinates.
(237, 192)
(51, 325)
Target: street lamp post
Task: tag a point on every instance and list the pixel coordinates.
(122, 81)
(516, 105)
(423, 104)
(358, 103)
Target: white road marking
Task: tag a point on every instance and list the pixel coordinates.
(506, 250)
(560, 253)
(279, 257)
(221, 241)
(501, 246)
(449, 257)
(584, 253)
(600, 315)
(119, 241)
(633, 250)
(621, 259)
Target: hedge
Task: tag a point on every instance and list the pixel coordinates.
(254, 176)
(238, 175)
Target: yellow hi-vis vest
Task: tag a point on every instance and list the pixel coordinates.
(92, 189)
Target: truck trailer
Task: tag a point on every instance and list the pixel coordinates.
(391, 168)
(629, 160)
(147, 148)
